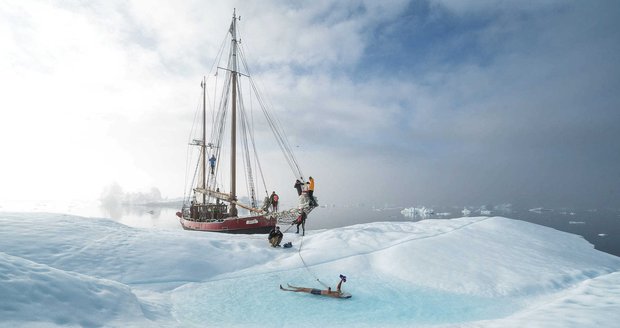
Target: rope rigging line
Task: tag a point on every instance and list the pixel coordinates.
(246, 152)
(195, 174)
(249, 177)
(251, 123)
(280, 136)
(278, 131)
(306, 265)
(273, 123)
(193, 130)
(257, 162)
(217, 130)
(211, 181)
(302, 259)
(189, 153)
(249, 119)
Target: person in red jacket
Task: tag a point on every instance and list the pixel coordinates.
(301, 220)
(274, 201)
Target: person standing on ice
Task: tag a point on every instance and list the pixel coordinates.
(212, 163)
(274, 201)
(298, 186)
(301, 220)
(275, 237)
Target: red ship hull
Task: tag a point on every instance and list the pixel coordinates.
(246, 225)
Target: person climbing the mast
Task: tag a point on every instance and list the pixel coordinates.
(212, 163)
(274, 201)
(326, 292)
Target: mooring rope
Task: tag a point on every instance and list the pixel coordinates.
(306, 265)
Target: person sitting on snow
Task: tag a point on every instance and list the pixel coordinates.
(275, 237)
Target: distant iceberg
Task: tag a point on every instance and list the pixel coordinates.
(465, 211)
(505, 208)
(540, 210)
(413, 212)
(484, 211)
(568, 213)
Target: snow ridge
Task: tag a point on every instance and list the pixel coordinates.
(473, 271)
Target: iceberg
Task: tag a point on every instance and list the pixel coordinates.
(412, 212)
(540, 210)
(60, 270)
(466, 211)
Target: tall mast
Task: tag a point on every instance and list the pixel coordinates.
(233, 135)
(203, 84)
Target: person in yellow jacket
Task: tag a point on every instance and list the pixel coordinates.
(311, 192)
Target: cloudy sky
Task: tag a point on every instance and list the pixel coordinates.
(402, 102)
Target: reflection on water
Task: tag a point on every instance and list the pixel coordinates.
(161, 216)
(143, 216)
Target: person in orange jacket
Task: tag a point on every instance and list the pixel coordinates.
(311, 191)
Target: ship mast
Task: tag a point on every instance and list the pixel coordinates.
(233, 135)
(203, 146)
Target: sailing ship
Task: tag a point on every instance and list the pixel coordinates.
(210, 205)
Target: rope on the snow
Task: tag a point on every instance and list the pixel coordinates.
(306, 265)
(287, 229)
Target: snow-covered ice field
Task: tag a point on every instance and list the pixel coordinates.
(61, 270)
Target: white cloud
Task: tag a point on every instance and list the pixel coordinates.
(70, 83)
(104, 91)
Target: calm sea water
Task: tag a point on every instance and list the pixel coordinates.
(600, 227)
